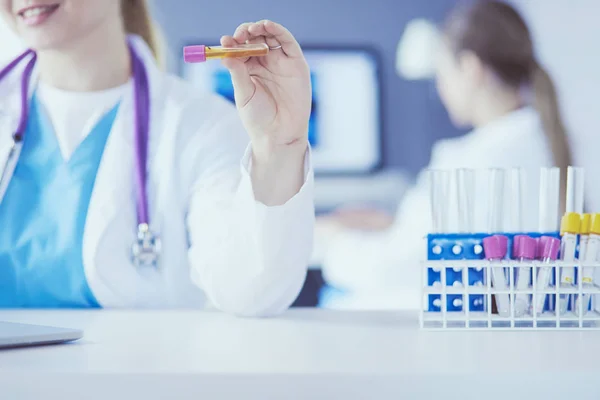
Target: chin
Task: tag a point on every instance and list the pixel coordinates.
(43, 41)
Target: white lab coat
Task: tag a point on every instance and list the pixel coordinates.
(220, 247)
(383, 270)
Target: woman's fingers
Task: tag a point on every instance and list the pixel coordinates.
(274, 34)
(258, 31)
(243, 86)
(289, 44)
(277, 38)
(241, 34)
(229, 41)
(240, 76)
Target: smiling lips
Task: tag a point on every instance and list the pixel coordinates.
(37, 15)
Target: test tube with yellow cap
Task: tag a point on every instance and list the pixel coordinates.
(570, 228)
(202, 53)
(591, 236)
(584, 235)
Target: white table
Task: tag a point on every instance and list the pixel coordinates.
(304, 354)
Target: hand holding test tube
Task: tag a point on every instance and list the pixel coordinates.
(273, 100)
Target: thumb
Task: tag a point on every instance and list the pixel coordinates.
(243, 85)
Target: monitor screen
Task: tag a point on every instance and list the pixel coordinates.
(345, 122)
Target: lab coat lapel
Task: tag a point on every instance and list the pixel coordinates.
(114, 190)
(113, 209)
(113, 193)
(6, 144)
(6, 132)
(9, 112)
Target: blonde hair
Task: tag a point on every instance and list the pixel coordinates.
(137, 20)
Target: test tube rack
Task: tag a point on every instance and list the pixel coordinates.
(457, 290)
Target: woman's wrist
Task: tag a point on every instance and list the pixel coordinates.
(278, 172)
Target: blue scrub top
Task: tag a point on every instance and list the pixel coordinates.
(42, 217)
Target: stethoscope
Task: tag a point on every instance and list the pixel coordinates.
(146, 248)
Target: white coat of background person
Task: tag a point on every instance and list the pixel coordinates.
(487, 77)
(235, 217)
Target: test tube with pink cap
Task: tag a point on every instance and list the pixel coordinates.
(548, 248)
(524, 250)
(495, 248)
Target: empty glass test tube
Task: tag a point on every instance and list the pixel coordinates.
(549, 199)
(439, 182)
(465, 190)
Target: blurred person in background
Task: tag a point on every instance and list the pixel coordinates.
(488, 78)
(101, 152)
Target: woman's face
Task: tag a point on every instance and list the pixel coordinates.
(51, 24)
(457, 79)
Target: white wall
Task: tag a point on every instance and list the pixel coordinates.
(567, 33)
(10, 45)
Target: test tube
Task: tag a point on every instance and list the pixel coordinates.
(495, 248)
(547, 222)
(570, 228)
(524, 250)
(515, 206)
(590, 256)
(495, 200)
(495, 224)
(575, 189)
(549, 199)
(524, 247)
(465, 182)
(439, 181)
(201, 53)
(548, 248)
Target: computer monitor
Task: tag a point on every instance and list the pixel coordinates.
(345, 123)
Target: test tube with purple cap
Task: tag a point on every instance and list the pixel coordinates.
(524, 250)
(548, 248)
(495, 248)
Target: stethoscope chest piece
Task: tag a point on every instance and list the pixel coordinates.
(146, 248)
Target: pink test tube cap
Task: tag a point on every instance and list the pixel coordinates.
(194, 54)
(495, 247)
(524, 247)
(548, 248)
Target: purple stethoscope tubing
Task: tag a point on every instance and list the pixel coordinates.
(141, 121)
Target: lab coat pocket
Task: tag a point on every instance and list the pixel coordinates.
(113, 278)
